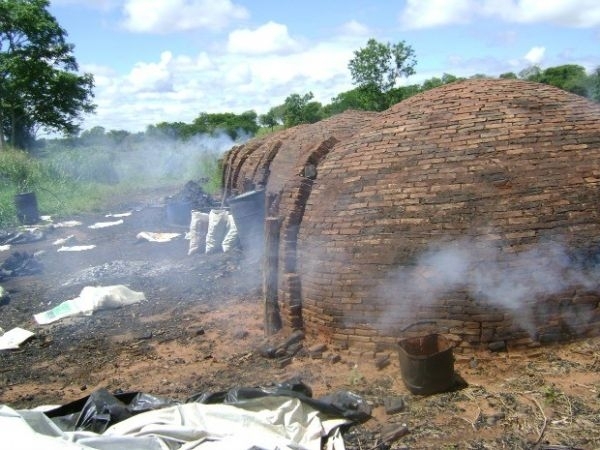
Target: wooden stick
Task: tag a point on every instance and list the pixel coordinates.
(270, 276)
(543, 429)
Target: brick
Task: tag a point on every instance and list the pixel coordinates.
(509, 161)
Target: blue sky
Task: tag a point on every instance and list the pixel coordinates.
(169, 60)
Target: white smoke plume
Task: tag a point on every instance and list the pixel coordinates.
(489, 275)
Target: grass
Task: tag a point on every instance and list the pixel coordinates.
(263, 131)
(92, 180)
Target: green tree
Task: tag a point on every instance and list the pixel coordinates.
(437, 82)
(401, 93)
(366, 98)
(594, 81)
(300, 109)
(93, 136)
(380, 64)
(117, 137)
(570, 77)
(171, 130)
(234, 125)
(269, 119)
(39, 83)
(531, 73)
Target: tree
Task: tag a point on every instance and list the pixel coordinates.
(268, 120)
(437, 82)
(39, 83)
(234, 125)
(93, 136)
(531, 73)
(570, 77)
(594, 81)
(299, 109)
(380, 65)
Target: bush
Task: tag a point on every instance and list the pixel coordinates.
(18, 170)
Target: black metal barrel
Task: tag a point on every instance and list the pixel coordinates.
(427, 364)
(27, 208)
(248, 211)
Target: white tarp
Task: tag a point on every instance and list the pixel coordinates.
(117, 215)
(270, 422)
(67, 224)
(76, 248)
(105, 224)
(157, 237)
(13, 338)
(64, 240)
(91, 298)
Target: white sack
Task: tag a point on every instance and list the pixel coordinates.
(13, 338)
(217, 228)
(230, 239)
(198, 232)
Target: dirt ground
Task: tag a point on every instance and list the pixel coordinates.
(201, 329)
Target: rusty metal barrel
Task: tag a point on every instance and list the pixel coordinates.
(427, 363)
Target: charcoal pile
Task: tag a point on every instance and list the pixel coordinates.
(193, 195)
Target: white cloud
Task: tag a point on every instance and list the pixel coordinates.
(572, 13)
(269, 38)
(95, 4)
(535, 55)
(432, 13)
(178, 87)
(152, 77)
(165, 16)
(355, 28)
(239, 75)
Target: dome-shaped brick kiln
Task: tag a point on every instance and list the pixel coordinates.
(473, 206)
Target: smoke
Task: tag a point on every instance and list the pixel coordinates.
(490, 275)
(162, 157)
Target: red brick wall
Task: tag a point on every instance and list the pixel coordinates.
(277, 163)
(511, 165)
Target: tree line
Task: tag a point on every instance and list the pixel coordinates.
(40, 88)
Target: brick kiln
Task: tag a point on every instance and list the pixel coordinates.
(473, 205)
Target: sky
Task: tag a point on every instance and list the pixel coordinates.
(170, 60)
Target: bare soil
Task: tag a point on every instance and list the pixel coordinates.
(201, 329)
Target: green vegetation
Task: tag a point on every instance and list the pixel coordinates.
(379, 65)
(69, 181)
(39, 84)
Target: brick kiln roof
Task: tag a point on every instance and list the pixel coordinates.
(277, 157)
(467, 150)
(521, 159)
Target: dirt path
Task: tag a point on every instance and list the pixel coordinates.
(201, 330)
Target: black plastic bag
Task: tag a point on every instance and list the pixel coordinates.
(340, 404)
(102, 409)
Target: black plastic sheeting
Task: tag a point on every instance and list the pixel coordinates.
(20, 264)
(101, 409)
